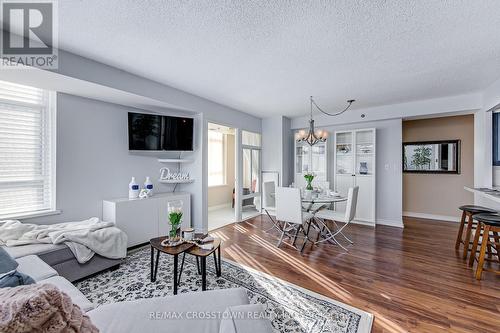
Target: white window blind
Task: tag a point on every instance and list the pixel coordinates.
(216, 159)
(27, 150)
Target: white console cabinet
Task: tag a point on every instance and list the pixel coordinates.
(143, 219)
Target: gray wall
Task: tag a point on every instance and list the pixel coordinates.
(277, 147)
(93, 161)
(272, 153)
(288, 146)
(80, 118)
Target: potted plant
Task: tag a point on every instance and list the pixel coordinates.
(309, 178)
(174, 218)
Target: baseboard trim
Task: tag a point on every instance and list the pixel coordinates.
(391, 223)
(432, 217)
(361, 222)
(212, 208)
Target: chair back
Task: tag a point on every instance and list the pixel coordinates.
(352, 200)
(288, 205)
(269, 188)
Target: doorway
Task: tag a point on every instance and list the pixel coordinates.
(251, 171)
(221, 175)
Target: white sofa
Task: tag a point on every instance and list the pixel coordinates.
(217, 311)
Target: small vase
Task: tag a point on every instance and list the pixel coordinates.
(308, 194)
(363, 168)
(173, 231)
(175, 217)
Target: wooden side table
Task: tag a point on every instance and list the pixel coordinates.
(174, 251)
(201, 255)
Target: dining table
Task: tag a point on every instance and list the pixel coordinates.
(315, 202)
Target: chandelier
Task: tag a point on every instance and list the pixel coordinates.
(314, 136)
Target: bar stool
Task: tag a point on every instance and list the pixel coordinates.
(487, 223)
(468, 211)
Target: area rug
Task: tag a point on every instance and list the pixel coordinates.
(290, 307)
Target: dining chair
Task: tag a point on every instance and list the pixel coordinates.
(289, 211)
(269, 202)
(344, 217)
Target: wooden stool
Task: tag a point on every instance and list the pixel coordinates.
(488, 223)
(468, 211)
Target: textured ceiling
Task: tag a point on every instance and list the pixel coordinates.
(267, 57)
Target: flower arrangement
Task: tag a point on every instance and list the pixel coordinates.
(309, 178)
(174, 217)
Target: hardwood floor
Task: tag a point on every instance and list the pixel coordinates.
(411, 279)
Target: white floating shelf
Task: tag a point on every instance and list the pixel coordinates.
(174, 160)
(175, 181)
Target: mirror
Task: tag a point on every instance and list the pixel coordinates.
(432, 157)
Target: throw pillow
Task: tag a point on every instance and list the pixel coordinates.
(9, 277)
(7, 263)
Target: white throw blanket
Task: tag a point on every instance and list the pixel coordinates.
(84, 238)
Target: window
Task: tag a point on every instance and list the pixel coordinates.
(250, 139)
(216, 159)
(27, 151)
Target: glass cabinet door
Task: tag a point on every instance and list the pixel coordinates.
(365, 145)
(318, 161)
(344, 153)
(302, 158)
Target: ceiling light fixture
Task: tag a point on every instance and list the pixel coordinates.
(314, 136)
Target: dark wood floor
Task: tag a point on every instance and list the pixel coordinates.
(411, 279)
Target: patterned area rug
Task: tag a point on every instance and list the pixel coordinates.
(290, 308)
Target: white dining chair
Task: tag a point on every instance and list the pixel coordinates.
(344, 217)
(268, 194)
(289, 211)
(269, 202)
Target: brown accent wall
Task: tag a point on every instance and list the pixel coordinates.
(436, 194)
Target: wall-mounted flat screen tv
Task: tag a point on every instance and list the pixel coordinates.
(151, 132)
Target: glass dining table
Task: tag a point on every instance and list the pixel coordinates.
(315, 203)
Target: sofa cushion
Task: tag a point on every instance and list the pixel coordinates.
(191, 312)
(75, 294)
(40, 250)
(35, 267)
(248, 318)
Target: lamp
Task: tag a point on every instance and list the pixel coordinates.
(313, 136)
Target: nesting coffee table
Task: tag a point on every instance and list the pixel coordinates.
(189, 248)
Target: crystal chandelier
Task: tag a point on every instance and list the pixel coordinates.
(314, 136)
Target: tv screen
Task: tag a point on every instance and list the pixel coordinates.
(155, 132)
(178, 134)
(144, 131)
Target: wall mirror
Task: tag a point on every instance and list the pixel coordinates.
(432, 157)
